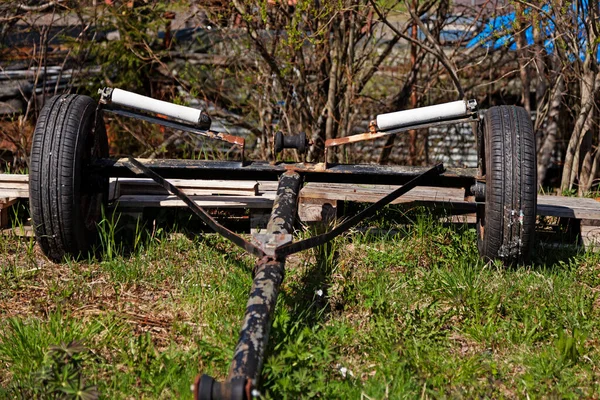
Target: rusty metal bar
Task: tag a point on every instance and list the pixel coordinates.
(378, 134)
(262, 170)
(244, 372)
(138, 167)
(240, 141)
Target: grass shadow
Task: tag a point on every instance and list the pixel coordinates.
(308, 299)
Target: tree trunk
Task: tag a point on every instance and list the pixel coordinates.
(330, 124)
(571, 164)
(550, 134)
(412, 146)
(585, 178)
(522, 56)
(540, 67)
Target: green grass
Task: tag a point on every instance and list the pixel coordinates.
(398, 311)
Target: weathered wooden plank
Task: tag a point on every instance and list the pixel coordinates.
(189, 187)
(13, 178)
(26, 230)
(6, 179)
(15, 186)
(578, 202)
(372, 193)
(18, 193)
(155, 190)
(568, 207)
(317, 210)
(590, 236)
(194, 183)
(135, 201)
(133, 186)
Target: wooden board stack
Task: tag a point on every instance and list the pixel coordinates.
(318, 201)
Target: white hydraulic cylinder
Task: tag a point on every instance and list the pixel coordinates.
(423, 115)
(137, 101)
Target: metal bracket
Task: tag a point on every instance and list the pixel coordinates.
(269, 242)
(375, 134)
(105, 95)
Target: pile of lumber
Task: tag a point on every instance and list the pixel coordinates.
(318, 201)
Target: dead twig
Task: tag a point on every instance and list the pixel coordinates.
(41, 7)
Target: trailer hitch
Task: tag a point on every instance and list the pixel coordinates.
(272, 249)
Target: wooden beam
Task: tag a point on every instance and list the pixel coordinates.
(138, 192)
(134, 201)
(189, 187)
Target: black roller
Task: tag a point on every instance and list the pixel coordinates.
(297, 142)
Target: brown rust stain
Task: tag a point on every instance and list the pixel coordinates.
(226, 137)
(354, 138)
(303, 167)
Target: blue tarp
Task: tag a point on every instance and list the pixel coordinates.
(499, 31)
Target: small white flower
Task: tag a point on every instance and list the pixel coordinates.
(319, 292)
(346, 372)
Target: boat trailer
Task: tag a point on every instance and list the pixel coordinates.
(70, 170)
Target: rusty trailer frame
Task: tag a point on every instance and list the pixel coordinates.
(70, 168)
(272, 247)
(276, 243)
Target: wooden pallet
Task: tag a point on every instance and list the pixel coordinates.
(318, 201)
(144, 187)
(132, 193)
(12, 188)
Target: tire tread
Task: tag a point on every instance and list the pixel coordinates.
(511, 185)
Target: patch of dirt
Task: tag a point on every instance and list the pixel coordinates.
(86, 292)
(464, 346)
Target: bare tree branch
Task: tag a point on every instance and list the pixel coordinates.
(41, 7)
(437, 52)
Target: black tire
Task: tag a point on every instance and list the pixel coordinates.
(65, 199)
(506, 224)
